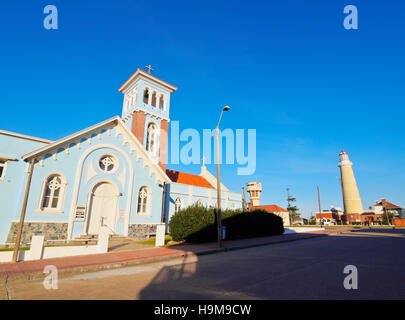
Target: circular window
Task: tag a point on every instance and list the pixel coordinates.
(108, 164)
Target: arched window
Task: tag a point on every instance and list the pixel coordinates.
(146, 96)
(53, 192)
(154, 98)
(144, 201)
(178, 205)
(132, 98)
(151, 138)
(200, 203)
(161, 102)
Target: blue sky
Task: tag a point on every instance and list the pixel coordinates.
(287, 68)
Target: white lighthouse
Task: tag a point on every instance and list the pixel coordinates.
(351, 196)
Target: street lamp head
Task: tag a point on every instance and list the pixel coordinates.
(227, 108)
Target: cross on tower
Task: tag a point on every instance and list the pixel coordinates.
(149, 67)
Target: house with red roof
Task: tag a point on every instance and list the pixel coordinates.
(383, 207)
(188, 189)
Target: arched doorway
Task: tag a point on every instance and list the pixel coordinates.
(103, 206)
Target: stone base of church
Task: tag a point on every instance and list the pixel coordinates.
(141, 231)
(50, 230)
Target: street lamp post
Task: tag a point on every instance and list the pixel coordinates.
(219, 225)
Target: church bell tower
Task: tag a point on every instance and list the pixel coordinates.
(145, 112)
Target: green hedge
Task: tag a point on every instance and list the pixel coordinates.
(198, 224)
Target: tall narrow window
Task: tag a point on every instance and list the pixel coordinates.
(2, 168)
(126, 103)
(133, 97)
(53, 193)
(151, 138)
(178, 205)
(146, 96)
(200, 203)
(144, 201)
(161, 102)
(154, 98)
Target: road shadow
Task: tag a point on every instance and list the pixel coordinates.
(311, 269)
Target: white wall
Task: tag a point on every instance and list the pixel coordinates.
(38, 251)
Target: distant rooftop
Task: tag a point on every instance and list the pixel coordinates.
(24, 136)
(270, 208)
(187, 178)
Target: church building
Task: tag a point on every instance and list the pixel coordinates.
(111, 174)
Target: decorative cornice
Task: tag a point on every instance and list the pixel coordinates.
(62, 142)
(23, 136)
(121, 129)
(140, 74)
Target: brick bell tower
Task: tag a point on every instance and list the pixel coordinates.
(145, 112)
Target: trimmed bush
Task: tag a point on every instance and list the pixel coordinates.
(257, 223)
(197, 224)
(193, 219)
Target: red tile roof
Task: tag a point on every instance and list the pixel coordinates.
(271, 208)
(387, 204)
(187, 178)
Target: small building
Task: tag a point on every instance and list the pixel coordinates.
(371, 218)
(333, 216)
(384, 207)
(376, 216)
(272, 208)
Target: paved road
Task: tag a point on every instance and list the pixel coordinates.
(305, 269)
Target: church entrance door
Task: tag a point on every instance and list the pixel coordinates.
(102, 207)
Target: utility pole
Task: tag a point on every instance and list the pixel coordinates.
(319, 205)
(22, 216)
(288, 203)
(388, 218)
(244, 199)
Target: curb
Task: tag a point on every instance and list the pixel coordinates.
(275, 242)
(75, 270)
(116, 265)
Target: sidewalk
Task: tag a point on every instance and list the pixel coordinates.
(32, 269)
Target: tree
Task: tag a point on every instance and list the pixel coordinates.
(388, 217)
(312, 220)
(292, 210)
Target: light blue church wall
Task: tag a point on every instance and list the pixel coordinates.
(78, 164)
(190, 195)
(12, 187)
